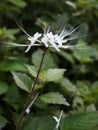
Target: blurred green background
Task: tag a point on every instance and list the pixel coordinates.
(80, 82)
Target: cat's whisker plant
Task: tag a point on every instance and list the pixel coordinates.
(48, 65)
(47, 39)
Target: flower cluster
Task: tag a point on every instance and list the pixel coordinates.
(48, 39)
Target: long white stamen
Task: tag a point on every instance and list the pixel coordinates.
(20, 45)
(21, 27)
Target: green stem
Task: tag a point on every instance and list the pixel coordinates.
(23, 114)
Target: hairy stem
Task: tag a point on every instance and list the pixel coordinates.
(31, 95)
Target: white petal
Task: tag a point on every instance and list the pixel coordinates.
(37, 35)
(45, 41)
(28, 48)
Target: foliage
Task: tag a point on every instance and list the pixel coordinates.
(80, 121)
(66, 77)
(45, 122)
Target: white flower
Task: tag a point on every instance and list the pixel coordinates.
(57, 41)
(48, 39)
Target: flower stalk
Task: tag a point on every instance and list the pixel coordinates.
(46, 39)
(31, 96)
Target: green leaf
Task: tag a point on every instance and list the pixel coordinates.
(94, 87)
(83, 53)
(22, 81)
(52, 75)
(3, 122)
(32, 70)
(67, 56)
(12, 66)
(85, 121)
(39, 123)
(82, 88)
(12, 97)
(54, 98)
(20, 3)
(9, 33)
(48, 60)
(3, 87)
(66, 84)
(91, 108)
